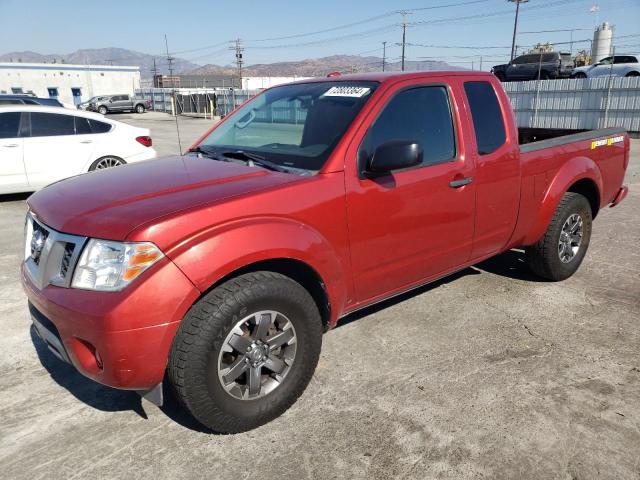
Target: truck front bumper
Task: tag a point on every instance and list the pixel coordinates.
(120, 339)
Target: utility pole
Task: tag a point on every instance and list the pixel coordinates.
(170, 60)
(239, 60)
(404, 33)
(154, 70)
(173, 92)
(384, 54)
(515, 25)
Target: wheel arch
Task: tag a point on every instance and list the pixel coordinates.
(587, 188)
(578, 175)
(297, 270)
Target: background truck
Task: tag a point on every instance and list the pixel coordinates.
(119, 103)
(220, 269)
(534, 66)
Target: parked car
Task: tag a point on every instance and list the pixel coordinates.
(85, 105)
(40, 145)
(28, 100)
(119, 103)
(616, 65)
(534, 66)
(222, 268)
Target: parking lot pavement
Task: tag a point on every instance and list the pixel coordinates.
(488, 373)
(163, 129)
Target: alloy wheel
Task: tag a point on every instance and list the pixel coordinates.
(570, 238)
(108, 162)
(257, 355)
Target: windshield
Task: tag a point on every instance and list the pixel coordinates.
(295, 126)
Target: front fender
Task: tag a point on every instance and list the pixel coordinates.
(215, 253)
(578, 168)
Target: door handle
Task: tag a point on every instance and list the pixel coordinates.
(460, 182)
(86, 141)
(11, 145)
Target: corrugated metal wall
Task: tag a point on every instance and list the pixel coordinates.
(577, 104)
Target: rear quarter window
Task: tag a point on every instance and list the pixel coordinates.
(488, 122)
(99, 127)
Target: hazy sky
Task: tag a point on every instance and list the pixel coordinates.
(197, 30)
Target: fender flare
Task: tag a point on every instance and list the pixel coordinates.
(213, 254)
(576, 169)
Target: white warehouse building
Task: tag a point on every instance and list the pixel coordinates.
(71, 84)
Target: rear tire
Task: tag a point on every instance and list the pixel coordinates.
(580, 75)
(633, 74)
(108, 161)
(221, 333)
(102, 110)
(559, 253)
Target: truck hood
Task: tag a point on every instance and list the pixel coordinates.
(109, 204)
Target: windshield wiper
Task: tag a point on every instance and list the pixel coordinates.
(255, 159)
(207, 153)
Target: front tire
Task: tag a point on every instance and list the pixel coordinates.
(633, 74)
(580, 75)
(246, 351)
(559, 253)
(139, 108)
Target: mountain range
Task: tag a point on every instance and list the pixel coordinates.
(303, 68)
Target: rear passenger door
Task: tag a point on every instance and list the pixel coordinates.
(13, 177)
(497, 173)
(120, 103)
(52, 150)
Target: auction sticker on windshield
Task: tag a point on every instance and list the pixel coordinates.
(345, 91)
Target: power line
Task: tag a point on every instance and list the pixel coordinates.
(367, 20)
(458, 46)
(364, 33)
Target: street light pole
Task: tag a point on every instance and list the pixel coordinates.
(515, 25)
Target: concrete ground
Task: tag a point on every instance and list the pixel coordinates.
(486, 374)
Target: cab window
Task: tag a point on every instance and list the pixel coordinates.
(488, 122)
(421, 115)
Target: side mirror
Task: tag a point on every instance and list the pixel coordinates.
(393, 155)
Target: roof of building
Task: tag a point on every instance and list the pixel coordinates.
(67, 66)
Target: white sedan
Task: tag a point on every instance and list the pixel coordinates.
(616, 66)
(40, 145)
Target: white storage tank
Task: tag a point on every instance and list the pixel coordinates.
(602, 42)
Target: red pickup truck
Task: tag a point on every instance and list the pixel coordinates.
(217, 271)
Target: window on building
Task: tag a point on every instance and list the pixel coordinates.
(420, 114)
(51, 124)
(53, 92)
(487, 116)
(9, 124)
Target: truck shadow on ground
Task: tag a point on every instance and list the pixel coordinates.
(105, 398)
(510, 264)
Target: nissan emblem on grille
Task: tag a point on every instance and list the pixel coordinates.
(37, 244)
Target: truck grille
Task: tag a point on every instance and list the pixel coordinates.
(50, 256)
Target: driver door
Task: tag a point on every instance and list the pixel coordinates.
(412, 224)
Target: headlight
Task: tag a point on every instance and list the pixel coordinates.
(110, 266)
